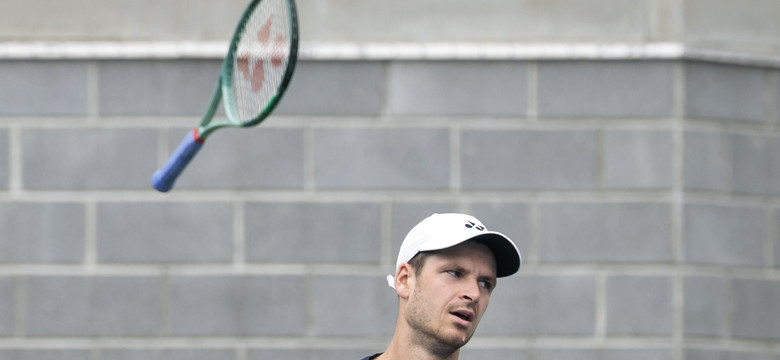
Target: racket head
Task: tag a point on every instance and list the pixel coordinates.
(260, 62)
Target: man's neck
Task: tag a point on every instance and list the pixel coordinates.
(408, 347)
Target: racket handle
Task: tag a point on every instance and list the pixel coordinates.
(163, 179)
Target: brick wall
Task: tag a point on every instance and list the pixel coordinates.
(642, 194)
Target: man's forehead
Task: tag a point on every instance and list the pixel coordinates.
(470, 250)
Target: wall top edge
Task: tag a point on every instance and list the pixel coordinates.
(386, 51)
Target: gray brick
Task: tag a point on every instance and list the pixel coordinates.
(777, 104)
(8, 299)
(166, 232)
(707, 306)
(541, 305)
(335, 88)
(776, 244)
(705, 161)
(529, 160)
(238, 306)
(457, 88)
(36, 354)
(756, 309)
(157, 87)
(167, 354)
(755, 163)
(261, 157)
(81, 159)
(43, 88)
(371, 310)
(639, 305)
(41, 232)
(604, 354)
(387, 158)
(605, 89)
(619, 232)
(638, 159)
(724, 92)
(92, 306)
(704, 354)
(309, 354)
(313, 232)
(724, 235)
(492, 354)
(5, 171)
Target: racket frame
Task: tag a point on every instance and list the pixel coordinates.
(224, 89)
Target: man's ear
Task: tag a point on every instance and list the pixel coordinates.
(404, 280)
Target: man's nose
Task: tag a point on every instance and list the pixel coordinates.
(471, 291)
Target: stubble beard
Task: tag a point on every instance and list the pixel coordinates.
(427, 333)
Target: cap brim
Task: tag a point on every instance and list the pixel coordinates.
(508, 259)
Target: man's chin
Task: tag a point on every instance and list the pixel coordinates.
(457, 337)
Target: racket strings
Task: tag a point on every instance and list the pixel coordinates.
(261, 58)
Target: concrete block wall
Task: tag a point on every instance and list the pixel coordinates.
(643, 195)
(641, 188)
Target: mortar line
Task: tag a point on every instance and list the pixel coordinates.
(532, 90)
(239, 234)
(310, 303)
(93, 97)
(677, 212)
(600, 316)
(386, 74)
(241, 351)
(309, 166)
(221, 269)
(90, 234)
(533, 243)
(15, 160)
(770, 99)
(163, 145)
(164, 287)
(386, 236)
(771, 234)
(601, 158)
(456, 181)
(20, 306)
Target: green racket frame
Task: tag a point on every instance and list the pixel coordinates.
(225, 84)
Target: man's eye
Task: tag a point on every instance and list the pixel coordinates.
(454, 273)
(486, 284)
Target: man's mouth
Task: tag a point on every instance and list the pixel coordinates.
(465, 315)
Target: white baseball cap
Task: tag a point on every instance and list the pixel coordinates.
(441, 231)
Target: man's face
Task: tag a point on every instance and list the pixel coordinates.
(450, 295)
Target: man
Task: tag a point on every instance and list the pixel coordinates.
(445, 273)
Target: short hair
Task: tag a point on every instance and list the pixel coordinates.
(418, 261)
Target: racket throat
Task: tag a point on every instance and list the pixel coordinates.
(196, 135)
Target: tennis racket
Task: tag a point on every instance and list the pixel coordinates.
(255, 73)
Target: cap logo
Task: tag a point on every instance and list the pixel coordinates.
(471, 224)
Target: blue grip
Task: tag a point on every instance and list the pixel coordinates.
(163, 179)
